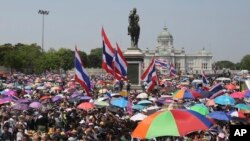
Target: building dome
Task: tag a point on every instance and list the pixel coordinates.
(165, 38)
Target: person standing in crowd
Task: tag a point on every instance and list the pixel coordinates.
(128, 86)
(121, 83)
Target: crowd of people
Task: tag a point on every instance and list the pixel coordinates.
(60, 119)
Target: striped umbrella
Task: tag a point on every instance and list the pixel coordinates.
(171, 123)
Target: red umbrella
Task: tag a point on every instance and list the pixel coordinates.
(45, 97)
(238, 95)
(230, 87)
(86, 106)
(195, 94)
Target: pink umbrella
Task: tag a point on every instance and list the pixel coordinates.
(10, 92)
(35, 105)
(238, 95)
(5, 100)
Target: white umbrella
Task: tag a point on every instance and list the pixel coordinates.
(138, 117)
(142, 95)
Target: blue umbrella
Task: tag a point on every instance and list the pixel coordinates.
(56, 98)
(224, 100)
(243, 106)
(247, 94)
(144, 102)
(85, 98)
(120, 102)
(219, 115)
(138, 107)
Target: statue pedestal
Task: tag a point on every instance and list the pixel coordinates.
(134, 57)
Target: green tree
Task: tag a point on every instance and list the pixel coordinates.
(225, 64)
(66, 58)
(95, 57)
(84, 58)
(4, 50)
(245, 62)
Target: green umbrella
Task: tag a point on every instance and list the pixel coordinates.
(200, 108)
(243, 106)
(101, 103)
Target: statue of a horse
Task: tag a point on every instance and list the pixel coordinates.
(134, 32)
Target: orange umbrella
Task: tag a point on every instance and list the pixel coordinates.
(45, 97)
(230, 87)
(85, 106)
(210, 102)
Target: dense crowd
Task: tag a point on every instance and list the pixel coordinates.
(61, 120)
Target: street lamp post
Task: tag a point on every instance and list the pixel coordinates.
(43, 12)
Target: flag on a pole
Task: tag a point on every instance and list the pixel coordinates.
(161, 63)
(172, 70)
(149, 76)
(81, 75)
(204, 78)
(107, 54)
(120, 64)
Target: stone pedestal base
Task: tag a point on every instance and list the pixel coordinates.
(134, 57)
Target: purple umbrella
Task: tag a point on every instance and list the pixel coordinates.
(35, 105)
(20, 107)
(22, 101)
(75, 94)
(5, 100)
(10, 92)
(56, 98)
(28, 91)
(85, 98)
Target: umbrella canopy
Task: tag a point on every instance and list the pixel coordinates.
(219, 115)
(22, 101)
(10, 92)
(101, 103)
(210, 102)
(85, 97)
(45, 97)
(142, 95)
(247, 94)
(183, 94)
(138, 107)
(230, 87)
(238, 114)
(224, 100)
(138, 117)
(75, 94)
(171, 123)
(5, 100)
(200, 108)
(21, 107)
(238, 95)
(144, 102)
(119, 102)
(243, 106)
(56, 98)
(85, 106)
(35, 105)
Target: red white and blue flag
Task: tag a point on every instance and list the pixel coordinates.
(172, 70)
(81, 75)
(108, 53)
(162, 63)
(204, 78)
(120, 64)
(150, 76)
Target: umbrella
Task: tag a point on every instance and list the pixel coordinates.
(22, 101)
(230, 87)
(138, 117)
(238, 114)
(85, 106)
(138, 107)
(10, 92)
(183, 94)
(224, 100)
(75, 94)
(21, 107)
(210, 102)
(27, 87)
(171, 123)
(238, 95)
(40, 88)
(142, 95)
(35, 105)
(247, 94)
(56, 98)
(243, 106)
(5, 100)
(45, 97)
(102, 91)
(200, 108)
(102, 99)
(144, 102)
(119, 102)
(219, 115)
(85, 98)
(101, 103)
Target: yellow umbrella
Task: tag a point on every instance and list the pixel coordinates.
(123, 93)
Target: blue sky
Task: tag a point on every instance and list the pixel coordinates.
(220, 26)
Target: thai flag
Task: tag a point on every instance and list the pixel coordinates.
(81, 75)
(216, 88)
(204, 78)
(120, 64)
(150, 76)
(172, 70)
(108, 53)
(161, 63)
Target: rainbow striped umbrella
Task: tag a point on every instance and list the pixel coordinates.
(171, 123)
(183, 94)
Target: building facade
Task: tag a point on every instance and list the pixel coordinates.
(184, 63)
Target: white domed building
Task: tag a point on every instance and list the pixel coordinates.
(193, 63)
